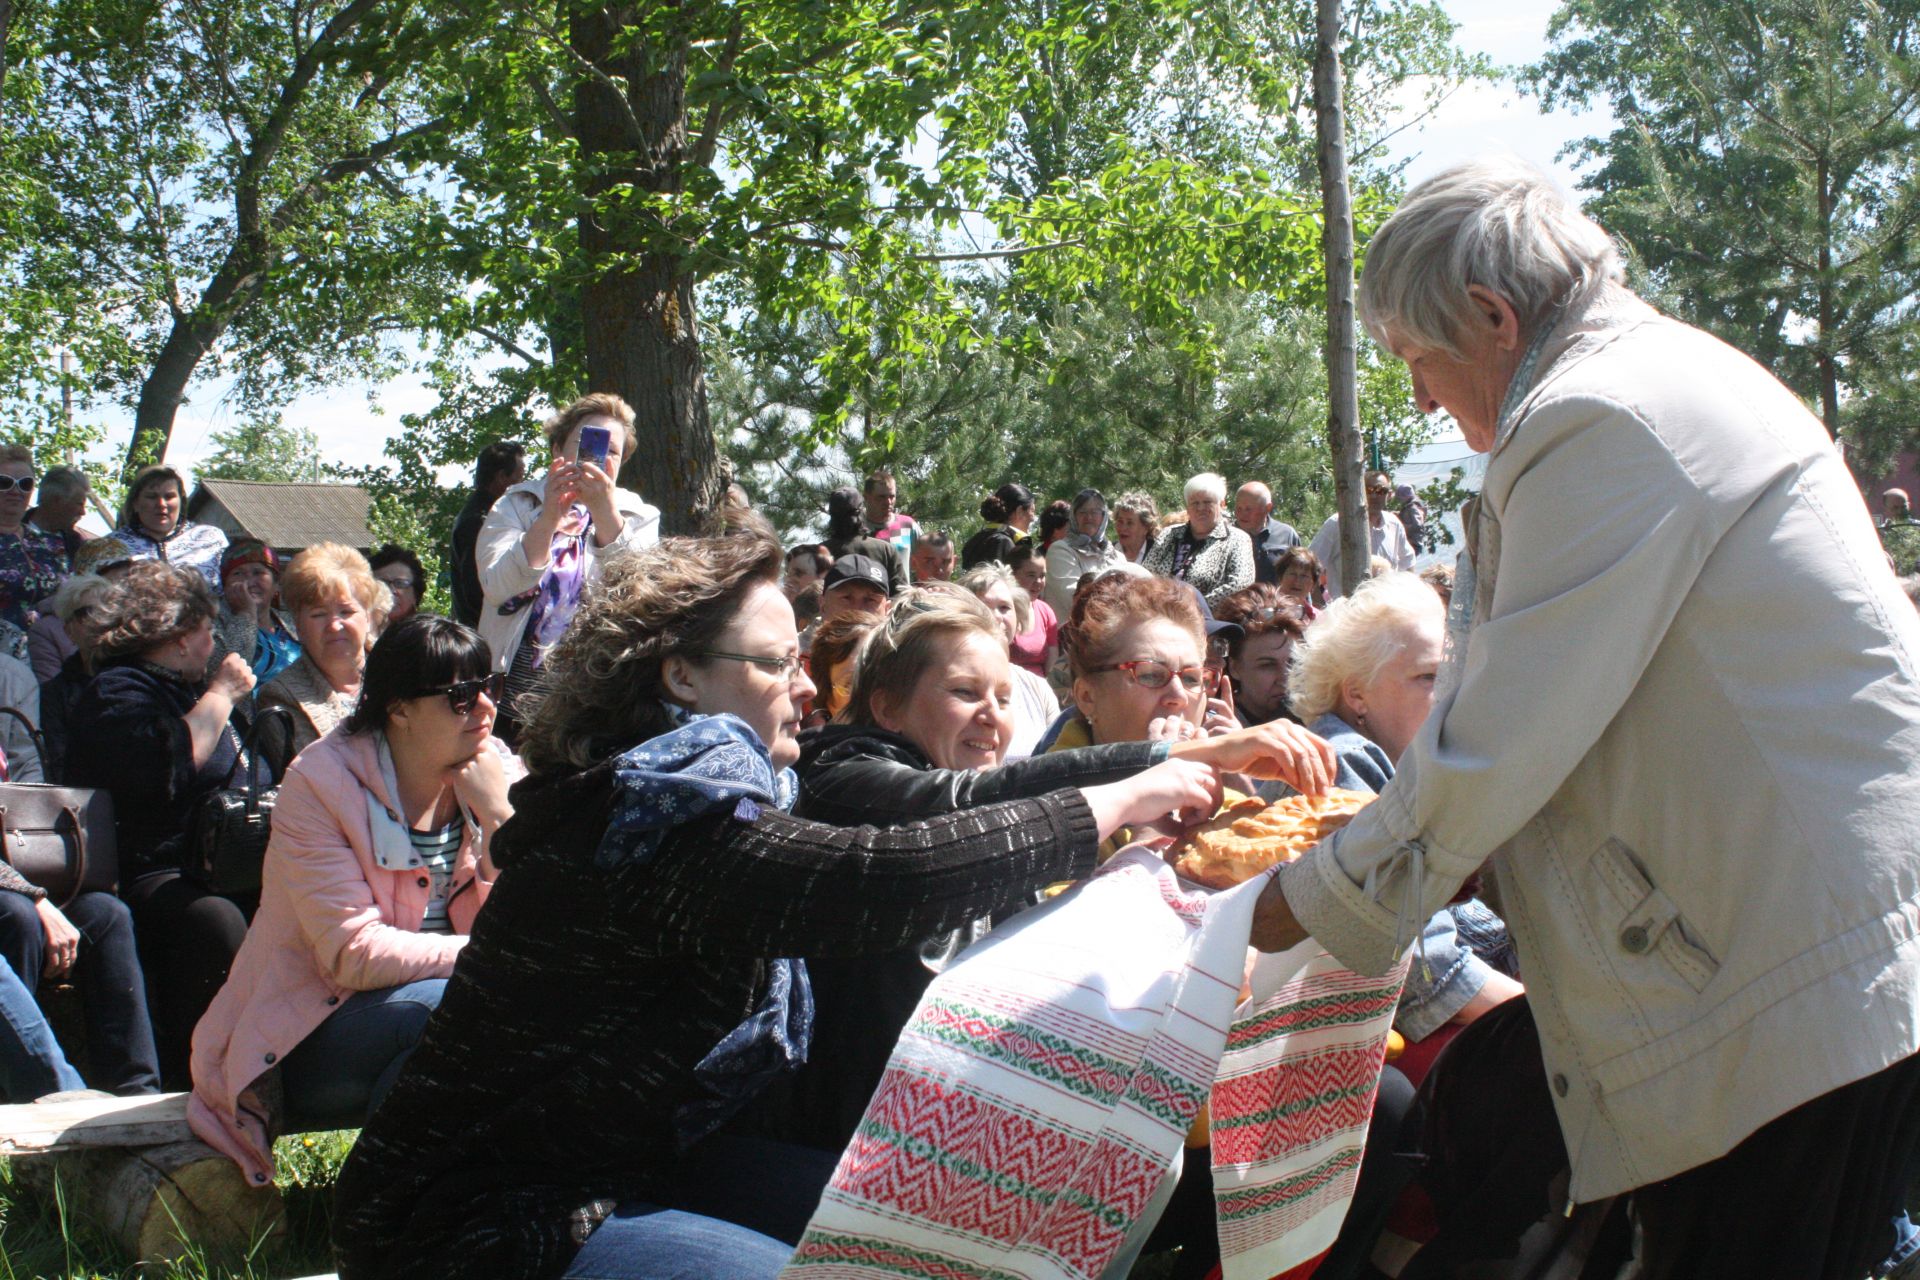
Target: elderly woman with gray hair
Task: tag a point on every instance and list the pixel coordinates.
(1208, 553)
(1705, 833)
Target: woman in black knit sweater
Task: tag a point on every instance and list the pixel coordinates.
(624, 993)
(925, 734)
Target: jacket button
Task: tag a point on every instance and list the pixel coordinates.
(271, 1058)
(1634, 939)
(1560, 1085)
(422, 882)
(333, 999)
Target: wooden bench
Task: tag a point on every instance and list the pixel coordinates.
(130, 1169)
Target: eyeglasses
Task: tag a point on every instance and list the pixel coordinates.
(1150, 674)
(788, 667)
(464, 696)
(9, 483)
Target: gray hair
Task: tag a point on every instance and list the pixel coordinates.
(1356, 637)
(982, 578)
(61, 483)
(80, 591)
(1207, 482)
(1495, 222)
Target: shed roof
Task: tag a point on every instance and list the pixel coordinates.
(288, 516)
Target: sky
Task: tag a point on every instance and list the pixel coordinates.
(353, 422)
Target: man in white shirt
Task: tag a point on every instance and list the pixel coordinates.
(1386, 537)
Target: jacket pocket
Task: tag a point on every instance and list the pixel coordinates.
(1650, 924)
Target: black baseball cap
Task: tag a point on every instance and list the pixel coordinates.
(856, 568)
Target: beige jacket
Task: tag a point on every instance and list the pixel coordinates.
(1687, 732)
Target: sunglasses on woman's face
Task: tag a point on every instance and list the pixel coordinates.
(464, 696)
(9, 483)
(1149, 674)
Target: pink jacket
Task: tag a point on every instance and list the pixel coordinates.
(331, 922)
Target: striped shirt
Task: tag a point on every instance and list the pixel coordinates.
(437, 850)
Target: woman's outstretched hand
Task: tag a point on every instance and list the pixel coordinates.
(1173, 787)
(1278, 749)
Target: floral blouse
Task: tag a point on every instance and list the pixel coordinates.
(32, 565)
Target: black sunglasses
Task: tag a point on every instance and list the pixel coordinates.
(465, 695)
(9, 483)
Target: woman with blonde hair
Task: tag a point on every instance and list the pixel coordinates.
(544, 541)
(338, 609)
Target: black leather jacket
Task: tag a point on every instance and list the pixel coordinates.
(857, 775)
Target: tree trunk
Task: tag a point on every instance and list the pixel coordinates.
(637, 304)
(232, 289)
(1336, 239)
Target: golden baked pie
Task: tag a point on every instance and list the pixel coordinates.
(1250, 835)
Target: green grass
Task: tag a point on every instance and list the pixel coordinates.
(42, 1241)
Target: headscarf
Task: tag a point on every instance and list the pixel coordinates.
(1095, 542)
(707, 763)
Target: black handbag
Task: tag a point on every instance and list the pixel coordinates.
(227, 836)
(60, 838)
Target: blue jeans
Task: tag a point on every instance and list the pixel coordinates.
(113, 994)
(336, 1076)
(740, 1204)
(646, 1242)
(31, 1063)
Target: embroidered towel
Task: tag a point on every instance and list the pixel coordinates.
(1291, 1101)
(1043, 1088)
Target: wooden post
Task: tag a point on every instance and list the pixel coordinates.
(1336, 239)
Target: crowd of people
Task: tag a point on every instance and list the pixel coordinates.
(600, 905)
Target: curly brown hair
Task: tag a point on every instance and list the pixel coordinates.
(1115, 601)
(1260, 610)
(602, 689)
(151, 604)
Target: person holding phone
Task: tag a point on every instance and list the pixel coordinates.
(544, 540)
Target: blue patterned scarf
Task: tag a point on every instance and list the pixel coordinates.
(706, 763)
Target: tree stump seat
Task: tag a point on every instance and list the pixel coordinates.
(130, 1169)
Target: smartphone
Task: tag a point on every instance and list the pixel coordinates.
(593, 446)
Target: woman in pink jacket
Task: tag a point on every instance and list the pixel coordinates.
(378, 862)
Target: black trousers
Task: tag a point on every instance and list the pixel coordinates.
(120, 1049)
(188, 938)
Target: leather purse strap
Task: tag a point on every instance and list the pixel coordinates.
(33, 731)
(247, 749)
